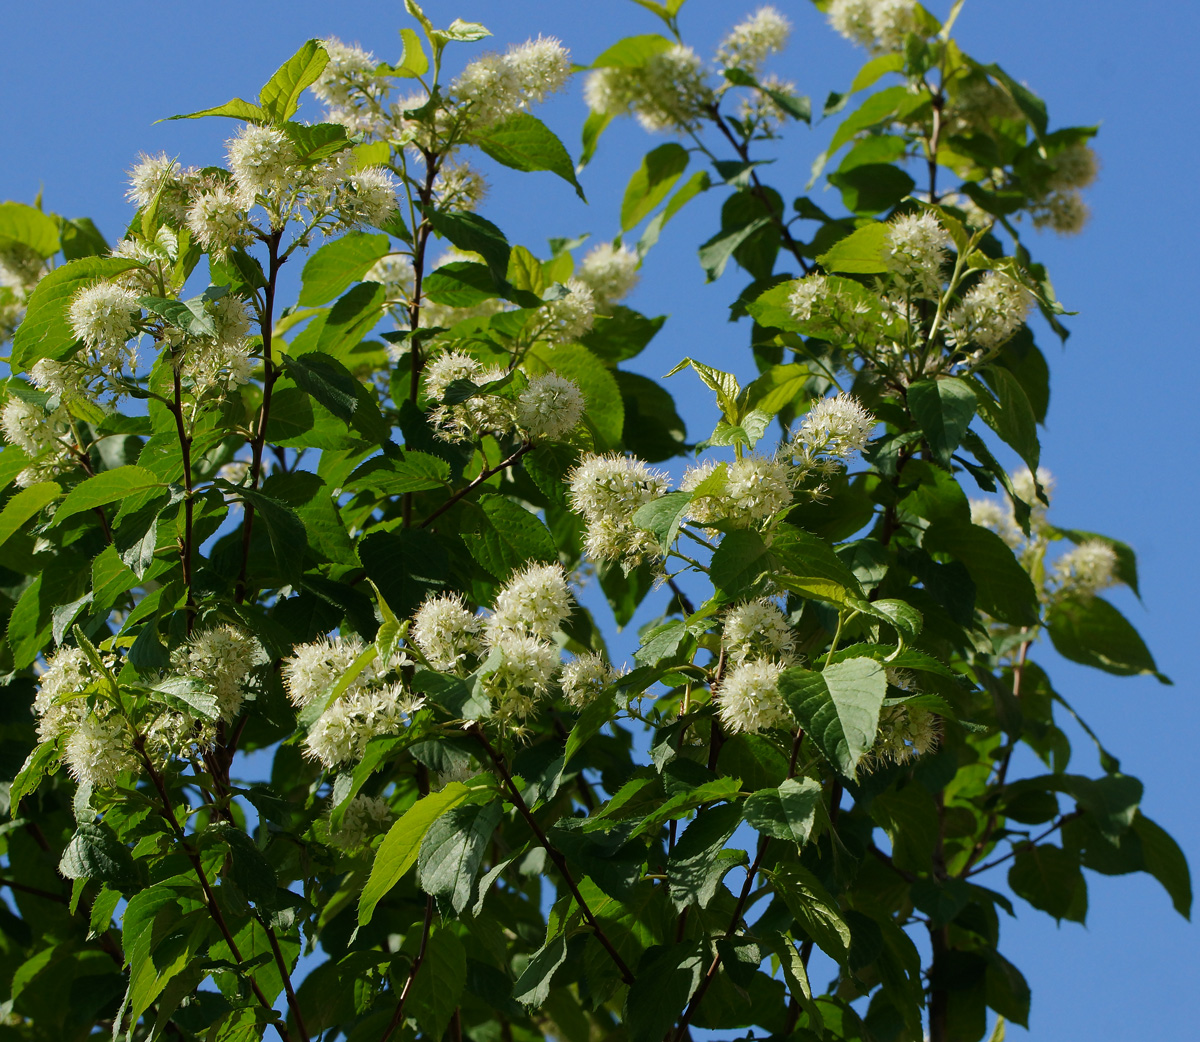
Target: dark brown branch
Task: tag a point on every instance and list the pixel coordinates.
(398, 1013)
(466, 489)
(35, 891)
(556, 855)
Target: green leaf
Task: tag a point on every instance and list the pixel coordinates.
(910, 819)
(1092, 631)
(605, 408)
(806, 564)
(787, 812)
(394, 477)
(689, 867)
(280, 95)
(739, 561)
(503, 536)
(289, 540)
(859, 253)
(663, 982)
(1050, 879)
(109, 486)
(661, 517)
(317, 141)
(474, 234)
(45, 332)
(26, 504)
(236, 108)
(1165, 861)
(349, 320)
(248, 866)
(405, 566)
(532, 988)
(41, 759)
(632, 52)
(524, 142)
(871, 188)
(339, 264)
(94, 852)
(414, 62)
(188, 315)
(1009, 414)
(1002, 587)
(402, 844)
(838, 708)
(944, 409)
(902, 616)
(877, 67)
(336, 388)
(23, 225)
(814, 910)
(438, 987)
(716, 252)
(652, 181)
(1006, 990)
(453, 849)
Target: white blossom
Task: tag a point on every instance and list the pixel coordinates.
(607, 491)
(26, 426)
(525, 672)
(669, 92)
(550, 407)
(584, 679)
(97, 750)
(477, 415)
(987, 513)
(165, 178)
(104, 315)
(836, 426)
(570, 316)
(221, 658)
(751, 41)
(610, 273)
(1087, 569)
(217, 220)
(905, 732)
(446, 631)
(748, 698)
(262, 160)
(364, 818)
(991, 312)
(915, 249)
(1063, 211)
(1023, 486)
(758, 629)
(757, 489)
(881, 25)
(341, 81)
(459, 187)
(1075, 166)
(394, 272)
(496, 86)
(536, 599)
(366, 196)
(313, 668)
(711, 506)
(68, 673)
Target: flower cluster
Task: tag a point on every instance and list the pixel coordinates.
(482, 413)
(364, 818)
(905, 732)
(611, 273)
(915, 250)
(586, 678)
(758, 629)
(569, 316)
(990, 313)
(222, 660)
(608, 491)
(832, 431)
(497, 86)
(754, 39)
(550, 408)
(749, 700)
(669, 92)
(45, 437)
(879, 25)
(1086, 570)
(371, 701)
(446, 633)
(743, 493)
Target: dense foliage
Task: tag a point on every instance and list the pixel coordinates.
(298, 696)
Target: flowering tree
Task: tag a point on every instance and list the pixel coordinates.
(232, 526)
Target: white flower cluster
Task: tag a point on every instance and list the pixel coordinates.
(753, 40)
(493, 88)
(105, 317)
(20, 270)
(394, 272)
(219, 362)
(1062, 207)
(749, 700)
(990, 313)
(480, 414)
(607, 491)
(832, 431)
(1063, 211)
(165, 179)
(446, 632)
(760, 108)
(758, 629)
(880, 25)
(611, 273)
(222, 659)
(586, 678)
(459, 187)
(218, 220)
(96, 745)
(1086, 570)
(915, 250)
(44, 437)
(370, 705)
(567, 318)
(263, 161)
(669, 92)
(1025, 488)
(905, 731)
(348, 87)
(817, 297)
(743, 493)
(363, 819)
(550, 408)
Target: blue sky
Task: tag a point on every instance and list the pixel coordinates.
(85, 83)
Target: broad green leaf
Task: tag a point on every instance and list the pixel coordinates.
(838, 708)
(1092, 631)
(664, 981)
(503, 536)
(716, 252)
(349, 320)
(187, 315)
(438, 987)
(1166, 862)
(414, 62)
(1009, 414)
(532, 988)
(94, 852)
(280, 95)
(236, 108)
(405, 565)
(22, 225)
(524, 142)
(787, 812)
(1006, 990)
(632, 52)
(859, 253)
(689, 867)
(109, 486)
(725, 384)
(289, 539)
(474, 234)
(662, 516)
(943, 409)
(605, 410)
(402, 844)
(337, 265)
(317, 141)
(902, 616)
(43, 757)
(453, 849)
(877, 67)
(1002, 587)
(654, 178)
(910, 818)
(815, 911)
(806, 564)
(1050, 879)
(394, 477)
(26, 504)
(45, 332)
(336, 388)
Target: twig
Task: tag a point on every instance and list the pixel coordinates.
(35, 891)
(484, 475)
(555, 854)
(398, 1013)
(1026, 845)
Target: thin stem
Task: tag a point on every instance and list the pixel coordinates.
(684, 601)
(1027, 844)
(555, 854)
(286, 973)
(466, 489)
(398, 1013)
(35, 891)
(185, 449)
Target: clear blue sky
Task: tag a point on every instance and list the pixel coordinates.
(85, 83)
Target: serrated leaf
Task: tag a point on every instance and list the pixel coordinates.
(337, 265)
(689, 875)
(235, 108)
(109, 486)
(838, 708)
(859, 253)
(662, 516)
(524, 142)
(652, 181)
(944, 409)
(787, 812)
(814, 910)
(23, 506)
(504, 536)
(533, 986)
(23, 225)
(452, 851)
(1002, 587)
(95, 852)
(280, 95)
(1093, 632)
